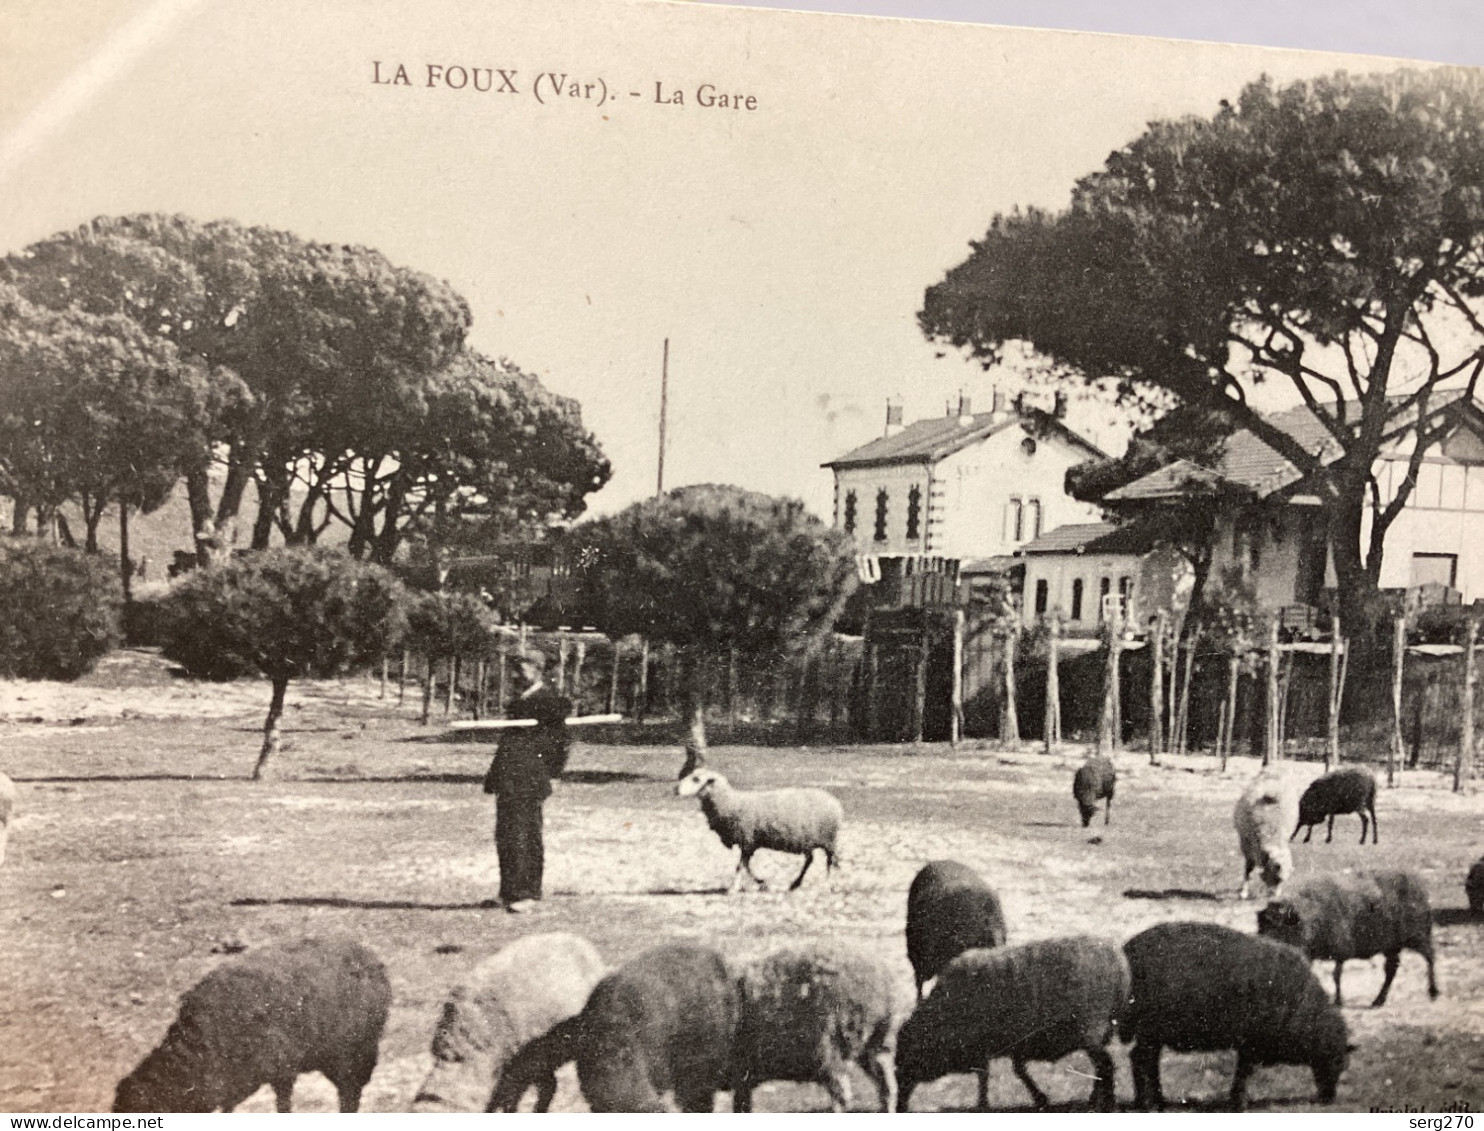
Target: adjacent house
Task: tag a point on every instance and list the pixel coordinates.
(1269, 530)
(1088, 573)
(924, 497)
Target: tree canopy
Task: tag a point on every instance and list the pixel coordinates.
(342, 386)
(1327, 235)
(714, 568)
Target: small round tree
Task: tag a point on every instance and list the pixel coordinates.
(712, 568)
(59, 610)
(295, 613)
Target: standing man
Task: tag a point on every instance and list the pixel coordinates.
(526, 760)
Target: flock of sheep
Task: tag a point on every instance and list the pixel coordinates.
(681, 1022)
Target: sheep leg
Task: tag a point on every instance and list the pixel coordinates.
(1393, 960)
(741, 1096)
(744, 864)
(1102, 1092)
(700, 1099)
(1245, 1065)
(882, 1071)
(1245, 891)
(1330, 835)
(1108, 811)
(283, 1094)
(1038, 1097)
(1363, 828)
(808, 860)
(983, 1074)
(838, 1086)
(1340, 965)
(1145, 1061)
(350, 1097)
(1375, 827)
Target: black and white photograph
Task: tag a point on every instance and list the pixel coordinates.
(644, 555)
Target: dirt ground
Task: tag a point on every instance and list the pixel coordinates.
(140, 852)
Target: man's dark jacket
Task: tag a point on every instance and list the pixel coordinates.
(529, 757)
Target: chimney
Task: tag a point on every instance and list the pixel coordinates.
(965, 409)
(998, 405)
(893, 418)
(1059, 406)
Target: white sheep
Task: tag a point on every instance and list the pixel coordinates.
(7, 806)
(795, 821)
(1263, 814)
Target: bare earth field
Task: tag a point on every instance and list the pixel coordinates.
(140, 851)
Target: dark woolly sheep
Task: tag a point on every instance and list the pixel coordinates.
(805, 1015)
(1345, 917)
(1037, 1001)
(1204, 987)
(1474, 887)
(663, 1022)
(264, 1018)
(796, 821)
(1349, 790)
(949, 909)
(509, 999)
(1094, 782)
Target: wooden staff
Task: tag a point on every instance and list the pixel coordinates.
(508, 724)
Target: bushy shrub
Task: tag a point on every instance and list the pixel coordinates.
(450, 624)
(59, 610)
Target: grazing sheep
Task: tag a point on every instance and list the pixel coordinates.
(7, 806)
(1474, 887)
(1261, 814)
(795, 821)
(509, 999)
(1094, 782)
(949, 909)
(264, 1018)
(663, 1022)
(1344, 917)
(805, 1015)
(1349, 790)
(1036, 1001)
(1204, 987)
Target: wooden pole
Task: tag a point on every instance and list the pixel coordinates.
(834, 655)
(1332, 743)
(1157, 688)
(1398, 655)
(1108, 722)
(1011, 732)
(1184, 711)
(804, 707)
(873, 674)
(1233, 676)
(480, 672)
(1464, 763)
(563, 646)
(1222, 726)
(643, 704)
(501, 687)
(1051, 729)
(612, 702)
(1270, 751)
(427, 690)
(919, 687)
(386, 664)
(956, 719)
(453, 683)
(577, 676)
(402, 678)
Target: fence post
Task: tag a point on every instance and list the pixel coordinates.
(919, 687)
(1108, 724)
(577, 676)
(453, 683)
(385, 665)
(873, 674)
(1183, 743)
(402, 678)
(1465, 760)
(500, 687)
(1398, 654)
(1011, 731)
(1233, 675)
(1157, 688)
(643, 695)
(612, 704)
(427, 690)
(1270, 751)
(1051, 728)
(1332, 742)
(956, 721)
(563, 646)
(479, 684)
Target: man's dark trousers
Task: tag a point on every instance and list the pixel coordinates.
(518, 845)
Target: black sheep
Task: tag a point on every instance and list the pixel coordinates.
(1345, 917)
(663, 1022)
(264, 1018)
(1205, 987)
(949, 909)
(1348, 790)
(1094, 782)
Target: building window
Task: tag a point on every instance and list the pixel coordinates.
(1042, 592)
(1434, 569)
(881, 515)
(1077, 599)
(1104, 585)
(1015, 520)
(914, 512)
(1035, 518)
(850, 504)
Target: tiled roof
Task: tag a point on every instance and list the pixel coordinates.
(1094, 538)
(1176, 480)
(927, 441)
(996, 563)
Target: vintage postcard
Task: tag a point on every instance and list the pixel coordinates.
(632, 556)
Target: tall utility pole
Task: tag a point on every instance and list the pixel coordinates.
(659, 487)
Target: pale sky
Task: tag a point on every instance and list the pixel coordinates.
(783, 250)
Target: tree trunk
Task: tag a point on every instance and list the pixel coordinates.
(1156, 688)
(1398, 654)
(693, 698)
(203, 526)
(126, 566)
(1011, 731)
(270, 728)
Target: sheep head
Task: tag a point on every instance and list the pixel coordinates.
(1281, 920)
(698, 784)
